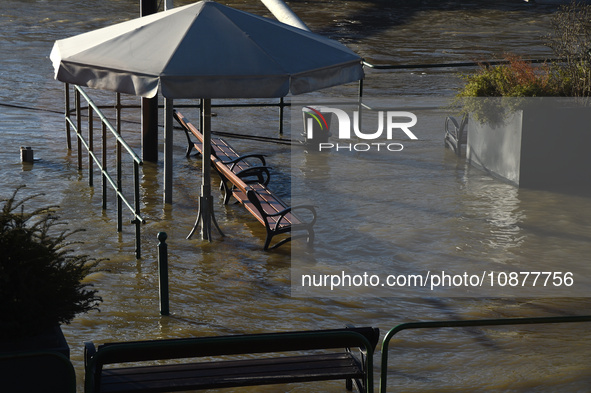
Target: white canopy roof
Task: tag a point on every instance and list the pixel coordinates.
(204, 50)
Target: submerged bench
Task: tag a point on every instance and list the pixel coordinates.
(456, 134)
(248, 184)
(324, 365)
(241, 165)
(270, 210)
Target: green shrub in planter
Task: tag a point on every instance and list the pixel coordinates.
(516, 79)
(528, 124)
(40, 276)
(568, 76)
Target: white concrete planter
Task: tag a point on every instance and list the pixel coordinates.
(545, 146)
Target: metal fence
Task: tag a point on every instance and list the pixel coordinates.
(102, 162)
(464, 323)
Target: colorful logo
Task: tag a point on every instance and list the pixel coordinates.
(348, 129)
(316, 115)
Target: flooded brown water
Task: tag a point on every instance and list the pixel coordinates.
(231, 286)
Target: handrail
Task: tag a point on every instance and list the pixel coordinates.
(465, 323)
(451, 65)
(106, 174)
(109, 126)
(102, 164)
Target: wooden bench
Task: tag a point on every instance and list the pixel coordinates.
(270, 210)
(248, 184)
(241, 165)
(336, 361)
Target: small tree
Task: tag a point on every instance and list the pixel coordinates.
(570, 40)
(40, 276)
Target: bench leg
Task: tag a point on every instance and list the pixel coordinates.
(311, 237)
(188, 152)
(268, 240)
(226, 191)
(349, 384)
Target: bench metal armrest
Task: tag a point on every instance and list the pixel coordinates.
(89, 351)
(257, 171)
(457, 129)
(235, 161)
(90, 368)
(283, 212)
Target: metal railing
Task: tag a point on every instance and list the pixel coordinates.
(464, 323)
(453, 65)
(107, 180)
(281, 105)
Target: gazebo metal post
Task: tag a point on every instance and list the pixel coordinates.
(149, 106)
(168, 140)
(205, 215)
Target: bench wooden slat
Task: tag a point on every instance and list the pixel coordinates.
(270, 207)
(232, 373)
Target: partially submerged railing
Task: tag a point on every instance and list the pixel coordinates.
(465, 323)
(101, 163)
(281, 105)
(453, 65)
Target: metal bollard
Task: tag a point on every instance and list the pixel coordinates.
(163, 272)
(27, 154)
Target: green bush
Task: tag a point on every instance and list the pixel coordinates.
(567, 76)
(512, 81)
(516, 78)
(40, 276)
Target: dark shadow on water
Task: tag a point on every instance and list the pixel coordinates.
(375, 16)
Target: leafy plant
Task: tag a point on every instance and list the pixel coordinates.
(40, 276)
(515, 79)
(568, 76)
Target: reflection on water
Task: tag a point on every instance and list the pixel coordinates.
(418, 211)
(442, 211)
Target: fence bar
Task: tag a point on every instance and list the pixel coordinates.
(67, 114)
(118, 163)
(452, 65)
(104, 166)
(114, 131)
(163, 272)
(136, 221)
(78, 128)
(90, 147)
(466, 323)
(111, 181)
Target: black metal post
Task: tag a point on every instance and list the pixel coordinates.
(136, 220)
(67, 110)
(163, 272)
(281, 106)
(78, 128)
(149, 105)
(119, 170)
(104, 166)
(90, 146)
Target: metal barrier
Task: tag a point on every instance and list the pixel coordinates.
(117, 184)
(452, 65)
(281, 105)
(465, 323)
